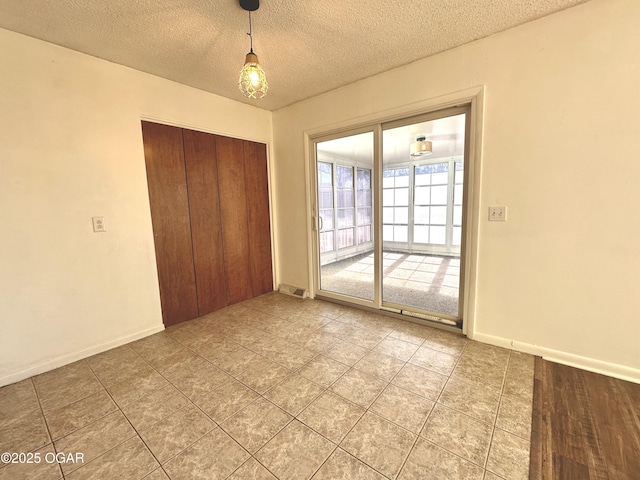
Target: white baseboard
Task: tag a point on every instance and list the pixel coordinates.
(585, 363)
(74, 356)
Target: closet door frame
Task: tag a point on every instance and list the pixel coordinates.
(273, 281)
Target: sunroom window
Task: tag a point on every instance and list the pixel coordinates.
(345, 208)
(422, 206)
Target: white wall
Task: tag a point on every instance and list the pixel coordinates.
(561, 150)
(71, 148)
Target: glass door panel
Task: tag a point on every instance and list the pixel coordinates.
(345, 211)
(325, 208)
(409, 175)
(422, 205)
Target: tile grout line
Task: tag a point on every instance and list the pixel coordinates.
(418, 436)
(190, 402)
(137, 433)
(369, 350)
(96, 420)
(440, 393)
(46, 424)
(291, 372)
(335, 393)
(324, 462)
(495, 421)
(104, 389)
(493, 425)
(367, 410)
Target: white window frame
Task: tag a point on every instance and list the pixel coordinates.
(357, 248)
(410, 246)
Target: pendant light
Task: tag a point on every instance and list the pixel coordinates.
(252, 81)
(420, 147)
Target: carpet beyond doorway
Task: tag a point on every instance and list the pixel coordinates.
(429, 282)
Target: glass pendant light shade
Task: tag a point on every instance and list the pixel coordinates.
(252, 81)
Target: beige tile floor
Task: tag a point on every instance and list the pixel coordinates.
(279, 388)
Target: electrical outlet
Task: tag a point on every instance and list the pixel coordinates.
(497, 214)
(98, 224)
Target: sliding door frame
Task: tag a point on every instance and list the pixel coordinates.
(314, 237)
(473, 99)
(427, 117)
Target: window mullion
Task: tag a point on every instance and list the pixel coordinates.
(450, 192)
(354, 195)
(334, 186)
(412, 181)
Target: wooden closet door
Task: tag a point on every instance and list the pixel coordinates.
(164, 157)
(256, 179)
(234, 217)
(206, 232)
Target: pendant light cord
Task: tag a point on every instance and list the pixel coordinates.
(250, 36)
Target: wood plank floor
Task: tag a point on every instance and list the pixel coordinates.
(585, 426)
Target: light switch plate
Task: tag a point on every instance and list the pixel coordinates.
(98, 224)
(498, 214)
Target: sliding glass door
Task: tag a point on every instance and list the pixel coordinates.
(344, 169)
(422, 204)
(414, 183)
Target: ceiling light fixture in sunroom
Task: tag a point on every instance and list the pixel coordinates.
(421, 146)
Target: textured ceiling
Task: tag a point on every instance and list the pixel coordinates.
(305, 47)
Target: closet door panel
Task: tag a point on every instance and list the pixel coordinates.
(255, 168)
(163, 150)
(233, 214)
(206, 232)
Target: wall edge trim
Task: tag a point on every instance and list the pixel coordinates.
(602, 367)
(68, 358)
